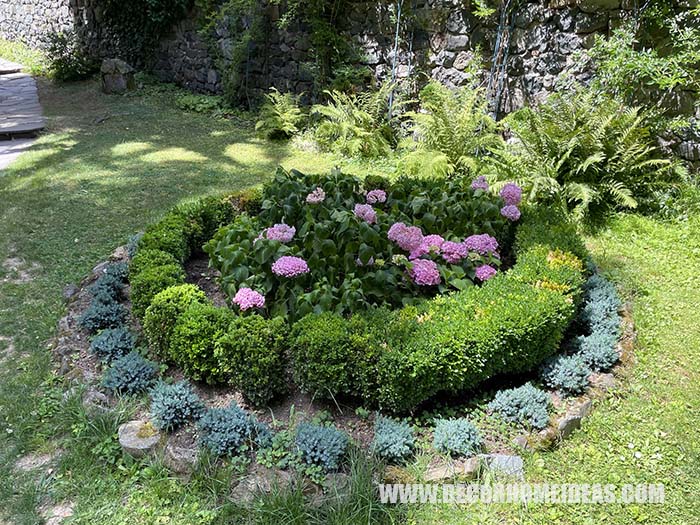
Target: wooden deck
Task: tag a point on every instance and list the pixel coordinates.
(20, 111)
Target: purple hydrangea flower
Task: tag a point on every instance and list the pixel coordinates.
(425, 272)
(430, 244)
(288, 266)
(407, 237)
(453, 252)
(510, 212)
(482, 244)
(366, 213)
(316, 197)
(485, 272)
(376, 197)
(480, 184)
(246, 299)
(281, 232)
(511, 194)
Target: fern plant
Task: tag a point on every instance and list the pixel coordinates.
(357, 124)
(586, 152)
(280, 116)
(455, 133)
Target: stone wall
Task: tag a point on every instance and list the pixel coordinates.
(30, 21)
(437, 38)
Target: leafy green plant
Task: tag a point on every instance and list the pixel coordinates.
(251, 356)
(321, 445)
(149, 283)
(457, 437)
(525, 405)
(165, 310)
(195, 338)
(148, 258)
(174, 405)
(393, 440)
(356, 125)
(113, 343)
(280, 116)
(130, 374)
(586, 153)
(67, 57)
(455, 133)
(198, 103)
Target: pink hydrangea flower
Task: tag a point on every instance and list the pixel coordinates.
(485, 272)
(366, 213)
(281, 232)
(482, 244)
(425, 272)
(511, 212)
(316, 197)
(430, 244)
(453, 252)
(407, 237)
(511, 194)
(246, 299)
(480, 184)
(376, 197)
(289, 266)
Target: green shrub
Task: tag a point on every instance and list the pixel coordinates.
(551, 269)
(393, 440)
(150, 282)
(130, 374)
(525, 405)
(195, 339)
(251, 355)
(198, 103)
(113, 343)
(172, 235)
(165, 310)
(322, 446)
(280, 116)
(323, 355)
(457, 437)
(132, 245)
(230, 430)
(102, 313)
(543, 226)
(68, 59)
(111, 283)
(146, 259)
(566, 374)
(208, 214)
(174, 405)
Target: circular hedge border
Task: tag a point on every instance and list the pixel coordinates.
(391, 359)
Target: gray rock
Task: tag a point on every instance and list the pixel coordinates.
(568, 424)
(522, 441)
(117, 76)
(99, 270)
(95, 401)
(182, 460)
(457, 42)
(138, 438)
(604, 382)
(70, 291)
(591, 22)
(503, 464)
(440, 473)
(259, 480)
(463, 59)
(595, 6)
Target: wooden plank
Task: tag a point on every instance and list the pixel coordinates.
(20, 111)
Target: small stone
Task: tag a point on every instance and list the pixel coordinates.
(70, 291)
(260, 479)
(522, 441)
(394, 474)
(568, 424)
(337, 483)
(547, 438)
(471, 468)
(504, 464)
(57, 514)
(440, 473)
(119, 254)
(182, 460)
(99, 270)
(585, 408)
(138, 438)
(604, 382)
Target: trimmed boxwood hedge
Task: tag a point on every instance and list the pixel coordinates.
(392, 359)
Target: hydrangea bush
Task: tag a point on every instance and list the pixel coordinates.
(334, 243)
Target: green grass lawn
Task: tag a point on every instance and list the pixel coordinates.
(110, 164)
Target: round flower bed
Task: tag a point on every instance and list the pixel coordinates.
(388, 292)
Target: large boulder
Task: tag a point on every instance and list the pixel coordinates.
(117, 76)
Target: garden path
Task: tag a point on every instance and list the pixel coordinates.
(20, 112)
